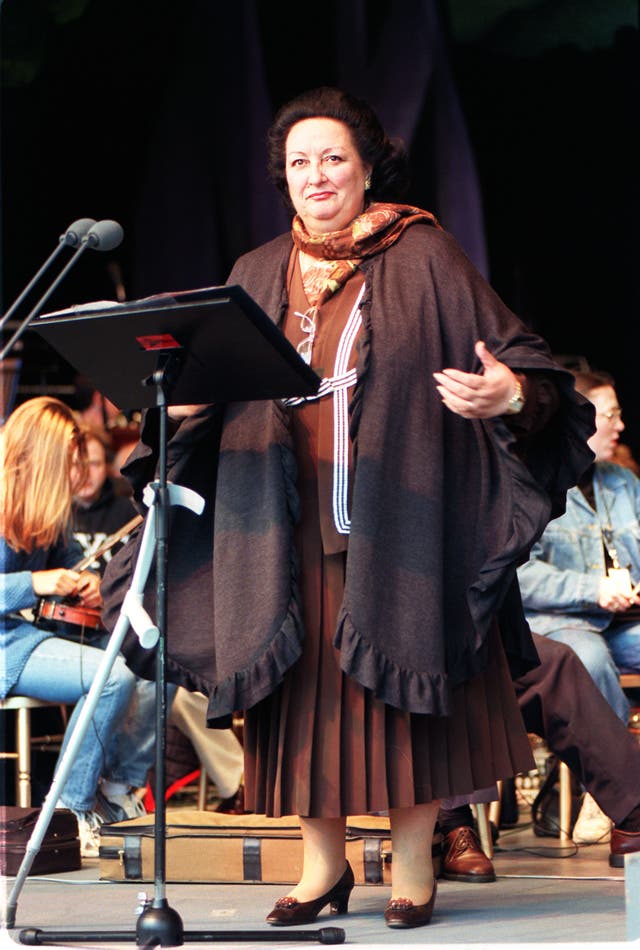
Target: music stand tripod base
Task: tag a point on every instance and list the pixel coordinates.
(33, 937)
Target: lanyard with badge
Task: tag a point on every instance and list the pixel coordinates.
(621, 576)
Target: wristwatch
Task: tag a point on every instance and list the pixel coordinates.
(516, 402)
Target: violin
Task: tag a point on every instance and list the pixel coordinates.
(69, 618)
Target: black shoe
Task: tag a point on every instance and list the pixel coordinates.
(288, 911)
(234, 805)
(401, 912)
(118, 808)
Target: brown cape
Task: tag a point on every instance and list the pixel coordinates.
(443, 510)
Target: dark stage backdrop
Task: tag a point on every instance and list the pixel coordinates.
(519, 117)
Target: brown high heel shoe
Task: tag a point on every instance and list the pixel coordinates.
(288, 911)
(402, 912)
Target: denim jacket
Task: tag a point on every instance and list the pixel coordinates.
(560, 582)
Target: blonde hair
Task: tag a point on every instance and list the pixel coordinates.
(40, 442)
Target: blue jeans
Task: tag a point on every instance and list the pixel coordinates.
(131, 752)
(120, 742)
(624, 643)
(596, 652)
(62, 672)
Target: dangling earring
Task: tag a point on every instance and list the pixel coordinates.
(367, 183)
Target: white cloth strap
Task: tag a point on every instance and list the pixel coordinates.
(339, 384)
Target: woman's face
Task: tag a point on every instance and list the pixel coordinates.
(609, 423)
(325, 174)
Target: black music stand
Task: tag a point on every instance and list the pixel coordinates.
(203, 346)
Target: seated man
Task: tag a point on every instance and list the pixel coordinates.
(560, 703)
(219, 750)
(98, 513)
(578, 584)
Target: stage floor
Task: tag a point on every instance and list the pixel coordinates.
(544, 895)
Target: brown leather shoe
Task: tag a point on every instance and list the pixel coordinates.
(463, 859)
(288, 911)
(622, 842)
(401, 912)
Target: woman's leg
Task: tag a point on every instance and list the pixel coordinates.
(323, 842)
(412, 865)
(61, 671)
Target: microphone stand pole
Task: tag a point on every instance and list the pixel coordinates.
(159, 923)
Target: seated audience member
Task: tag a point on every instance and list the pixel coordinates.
(219, 750)
(98, 512)
(578, 584)
(560, 702)
(43, 462)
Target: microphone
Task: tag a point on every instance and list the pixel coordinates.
(100, 236)
(76, 231)
(71, 238)
(103, 235)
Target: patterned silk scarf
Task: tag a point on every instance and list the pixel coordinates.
(338, 253)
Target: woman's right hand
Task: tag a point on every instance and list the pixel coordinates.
(59, 582)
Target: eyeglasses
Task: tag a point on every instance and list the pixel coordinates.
(612, 414)
(308, 326)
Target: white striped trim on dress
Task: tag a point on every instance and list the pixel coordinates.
(339, 384)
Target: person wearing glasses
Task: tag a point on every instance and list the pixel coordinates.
(361, 596)
(579, 584)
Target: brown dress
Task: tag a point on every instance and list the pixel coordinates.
(322, 745)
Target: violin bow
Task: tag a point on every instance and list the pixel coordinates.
(108, 543)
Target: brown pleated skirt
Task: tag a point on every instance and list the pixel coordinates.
(323, 746)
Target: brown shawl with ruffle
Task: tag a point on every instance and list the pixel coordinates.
(443, 508)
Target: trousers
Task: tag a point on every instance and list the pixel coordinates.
(219, 750)
(560, 702)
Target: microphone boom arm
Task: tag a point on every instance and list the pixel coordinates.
(40, 304)
(101, 236)
(71, 238)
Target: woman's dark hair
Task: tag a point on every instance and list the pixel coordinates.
(387, 157)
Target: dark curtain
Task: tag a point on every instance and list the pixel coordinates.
(205, 197)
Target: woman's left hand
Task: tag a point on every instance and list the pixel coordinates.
(478, 395)
(88, 590)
